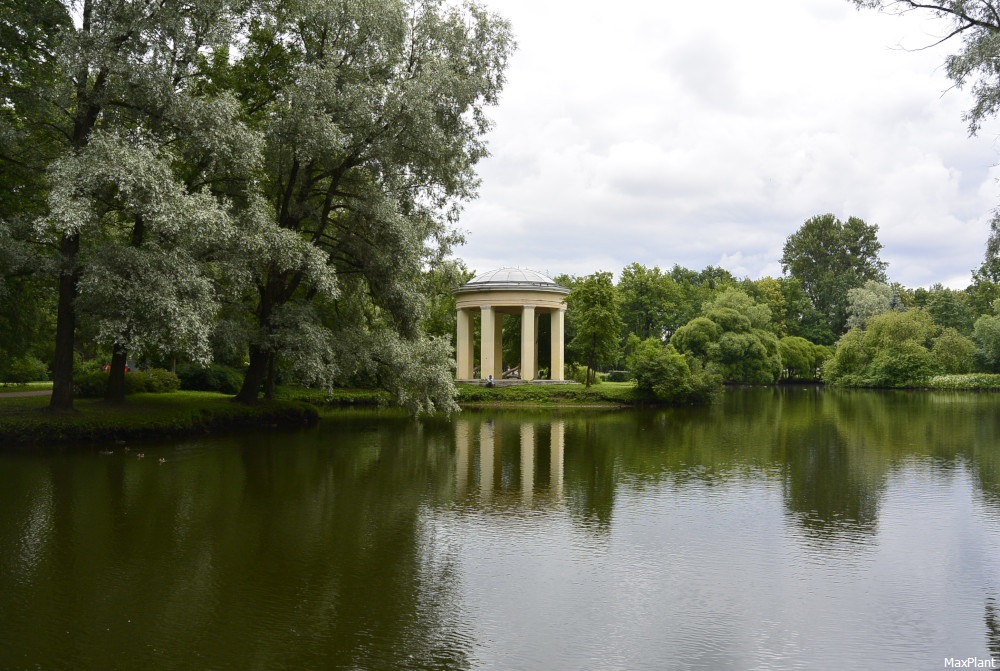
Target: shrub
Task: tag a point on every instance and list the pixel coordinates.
(152, 381)
(668, 375)
(214, 377)
(94, 383)
(618, 376)
(25, 369)
(90, 384)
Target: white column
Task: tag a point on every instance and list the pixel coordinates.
(558, 354)
(487, 352)
(464, 346)
(498, 345)
(528, 361)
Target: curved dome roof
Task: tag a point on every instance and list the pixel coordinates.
(511, 278)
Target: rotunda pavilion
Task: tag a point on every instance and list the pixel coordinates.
(509, 291)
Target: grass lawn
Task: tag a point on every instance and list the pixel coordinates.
(26, 386)
(27, 421)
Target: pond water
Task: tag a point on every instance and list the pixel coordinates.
(779, 529)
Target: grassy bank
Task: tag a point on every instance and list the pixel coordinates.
(605, 393)
(26, 421)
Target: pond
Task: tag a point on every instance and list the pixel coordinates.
(780, 529)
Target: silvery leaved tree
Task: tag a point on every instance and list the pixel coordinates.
(106, 98)
(373, 118)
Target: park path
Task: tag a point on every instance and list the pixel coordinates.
(16, 394)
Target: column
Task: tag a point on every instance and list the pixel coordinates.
(487, 352)
(527, 461)
(464, 346)
(498, 345)
(558, 353)
(528, 361)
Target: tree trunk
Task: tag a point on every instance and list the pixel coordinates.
(255, 375)
(62, 365)
(270, 382)
(116, 376)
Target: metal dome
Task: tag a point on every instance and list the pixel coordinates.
(511, 278)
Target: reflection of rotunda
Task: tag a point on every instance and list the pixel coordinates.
(509, 291)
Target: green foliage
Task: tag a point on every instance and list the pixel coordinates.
(968, 382)
(896, 350)
(830, 257)
(213, 377)
(986, 334)
(593, 310)
(735, 338)
(954, 352)
(697, 337)
(867, 301)
(663, 373)
(582, 374)
(649, 301)
(94, 383)
(802, 359)
(24, 369)
(618, 376)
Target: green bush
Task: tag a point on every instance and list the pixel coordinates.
(667, 375)
(214, 377)
(90, 384)
(25, 369)
(152, 381)
(94, 384)
(618, 376)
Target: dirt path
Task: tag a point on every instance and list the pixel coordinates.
(16, 394)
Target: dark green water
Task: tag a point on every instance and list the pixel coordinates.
(792, 529)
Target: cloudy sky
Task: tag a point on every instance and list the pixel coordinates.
(663, 132)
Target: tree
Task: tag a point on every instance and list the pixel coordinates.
(733, 337)
(662, 372)
(894, 350)
(830, 257)
(128, 73)
(592, 306)
(647, 298)
(866, 302)
(802, 359)
(373, 117)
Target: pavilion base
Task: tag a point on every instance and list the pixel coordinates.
(511, 383)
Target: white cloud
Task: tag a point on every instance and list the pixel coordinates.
(664, 133)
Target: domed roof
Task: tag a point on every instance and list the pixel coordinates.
(511, 279)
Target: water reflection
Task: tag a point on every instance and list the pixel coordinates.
(498, 444)
(764, 532)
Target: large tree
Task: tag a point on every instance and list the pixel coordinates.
(830, 257)
(592, 307)
(90, 87)
(374, 116)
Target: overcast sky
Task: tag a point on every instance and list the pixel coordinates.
(665, 132)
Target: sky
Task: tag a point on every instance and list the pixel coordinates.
(664, 132)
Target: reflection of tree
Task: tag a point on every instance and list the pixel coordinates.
(301, 551)
(992, 618)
